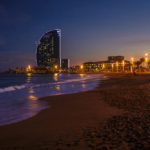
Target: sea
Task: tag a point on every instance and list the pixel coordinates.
(20, 93)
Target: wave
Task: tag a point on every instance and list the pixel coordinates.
(19, 87)
(12, 88)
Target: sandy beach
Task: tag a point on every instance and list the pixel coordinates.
(115, 115)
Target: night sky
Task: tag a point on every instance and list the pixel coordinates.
(91, 29)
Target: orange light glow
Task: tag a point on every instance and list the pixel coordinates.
(56, 67)
(103, 66)
(32, 97)
(132, 60)
(146, 54)
(81, 67)
(117, 64)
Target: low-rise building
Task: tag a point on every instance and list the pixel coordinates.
(113, 64)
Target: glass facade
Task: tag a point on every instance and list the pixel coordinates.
(49, 49)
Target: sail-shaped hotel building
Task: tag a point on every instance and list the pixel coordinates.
(49, 49)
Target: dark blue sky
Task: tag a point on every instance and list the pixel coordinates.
(91, 29)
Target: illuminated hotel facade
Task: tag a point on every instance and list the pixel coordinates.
(49, 50)
(113, 64)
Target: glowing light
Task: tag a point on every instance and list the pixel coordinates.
(55, 74)
(56, 67)
(103, 66)
(31, 90)
(146, 59)
(55, 77)
(123, 63)
(58, 87)
(29, 74)
(132, 60)
(146, 54)
(28, 77)
(117, 64)
(81, 75)
(32, 97)
(28, 69)
(81, 67)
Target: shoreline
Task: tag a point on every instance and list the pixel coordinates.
(99, 78)
(80, 120)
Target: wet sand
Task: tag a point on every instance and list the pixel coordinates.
(115, 115)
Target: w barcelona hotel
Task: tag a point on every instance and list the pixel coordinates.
(49, 50)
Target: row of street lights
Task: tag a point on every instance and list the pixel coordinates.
(123, 64)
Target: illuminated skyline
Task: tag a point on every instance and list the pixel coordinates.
(91, 30)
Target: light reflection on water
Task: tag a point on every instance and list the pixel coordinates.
(55, 76)
(23, 103)
(31, 90)
(32, 97)
(57, 87)
(29, 77)
(83, 85)
(82, 75)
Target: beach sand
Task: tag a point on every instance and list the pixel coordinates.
(115, 115)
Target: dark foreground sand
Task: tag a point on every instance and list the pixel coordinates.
(116, 115)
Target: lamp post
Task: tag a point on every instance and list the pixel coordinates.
(55, 68)
(81, 67)
(117, 65)
(123, 64)
(103, 66)
(132, 64)
(28, 69)
(146, 59)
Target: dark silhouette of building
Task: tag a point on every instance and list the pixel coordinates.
(49, 50)
(65, 64)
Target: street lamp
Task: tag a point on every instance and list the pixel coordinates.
(81, 67)
(117, 65)
(146, 54)
(146, 59)
(28, 68)
(103, 66)
(123, 63)
(55, 66)
(132, 62)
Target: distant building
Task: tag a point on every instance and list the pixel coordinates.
(65, 64)
(113, 64)
(49, 49)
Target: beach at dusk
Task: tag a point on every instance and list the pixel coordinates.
(74, 74)
(115, 115)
